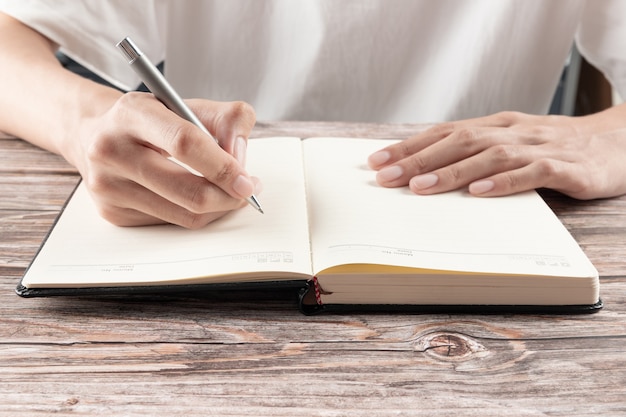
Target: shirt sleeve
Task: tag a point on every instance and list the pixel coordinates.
(88, 31)
(600, 39)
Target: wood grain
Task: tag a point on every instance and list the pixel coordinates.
(252, 354)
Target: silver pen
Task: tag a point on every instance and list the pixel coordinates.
(162, 90)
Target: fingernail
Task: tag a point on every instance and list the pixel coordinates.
(379, 158)
(389, 173)
(258, 185)
(243, 186)
(240, 150)
(481, 187)
(422, 182)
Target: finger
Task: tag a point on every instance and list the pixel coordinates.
(495, 159)
(566, 177)
(172, 182)
(407, 147)
(146, 208)
(401, 150)
(451, 153)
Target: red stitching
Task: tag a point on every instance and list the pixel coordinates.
(318, 295)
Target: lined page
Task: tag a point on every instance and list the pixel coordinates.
(354, 220)
(85, 250)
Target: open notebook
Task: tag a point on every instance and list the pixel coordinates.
(329, 228)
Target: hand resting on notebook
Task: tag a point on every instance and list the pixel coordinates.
(509, 152)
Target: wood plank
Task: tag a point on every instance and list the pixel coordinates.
(320, 392)
(18, 156)
(22, 233)
(378, 366)
(83, 355)
(264, 129)
(35, 192)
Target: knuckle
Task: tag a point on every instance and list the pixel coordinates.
(403, 149)
(511, 181)
(454, 174)
(418, 163)
(466, 137)
(443, 129)
(547, 168)
(202, 198)
(241, 109)
(237, 111)
(225, 172)
(179, 140)
(129, 99)
(102, 148)
(555, 172)
(451, 176)
(503, 153)
(537, 134)
(125, 107)
(198, 200)
(509, 117)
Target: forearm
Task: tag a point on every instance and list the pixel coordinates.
(41, 101)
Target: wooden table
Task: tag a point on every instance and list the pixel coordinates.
(225, 354)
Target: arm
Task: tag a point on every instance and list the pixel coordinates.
(119, 142)
(510, 152)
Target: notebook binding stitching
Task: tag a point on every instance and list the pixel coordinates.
(318, 295)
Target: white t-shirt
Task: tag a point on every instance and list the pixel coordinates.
(351, 60)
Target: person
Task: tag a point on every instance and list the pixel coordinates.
(484, 70)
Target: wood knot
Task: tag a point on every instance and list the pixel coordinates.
(71, 401)
(448, 346)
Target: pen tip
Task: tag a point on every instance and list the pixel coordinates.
(255, 203)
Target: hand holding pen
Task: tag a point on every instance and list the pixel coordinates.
(163, 91)
(123, 156)
(121, 145)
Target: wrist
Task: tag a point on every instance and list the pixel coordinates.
(82, 120)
